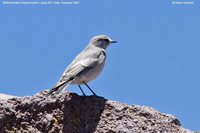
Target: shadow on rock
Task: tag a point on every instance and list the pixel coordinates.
(82, 114)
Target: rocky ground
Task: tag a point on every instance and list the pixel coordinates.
(71, 113)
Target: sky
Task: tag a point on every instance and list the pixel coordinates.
(155, 62)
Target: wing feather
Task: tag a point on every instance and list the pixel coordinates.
(81, 62)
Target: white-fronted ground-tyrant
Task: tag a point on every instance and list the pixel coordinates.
(86, 66)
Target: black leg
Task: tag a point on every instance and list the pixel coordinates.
(81, 90)
(90, 89)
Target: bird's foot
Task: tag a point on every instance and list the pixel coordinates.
(94, 94)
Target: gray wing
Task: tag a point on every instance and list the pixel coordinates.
(89, 57)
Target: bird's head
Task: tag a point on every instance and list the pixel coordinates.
(101, 41)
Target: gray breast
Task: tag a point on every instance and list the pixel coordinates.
(89, 73)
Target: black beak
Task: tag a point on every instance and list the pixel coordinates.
(113, 42)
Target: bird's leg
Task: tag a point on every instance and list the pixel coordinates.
(90, 89)
(81, 90)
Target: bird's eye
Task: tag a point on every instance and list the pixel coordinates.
(107, 40)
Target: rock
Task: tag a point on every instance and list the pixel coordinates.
(5, 96)
(70, 113)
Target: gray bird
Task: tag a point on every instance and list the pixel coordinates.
(86, 66)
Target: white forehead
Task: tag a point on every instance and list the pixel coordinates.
(100, 37)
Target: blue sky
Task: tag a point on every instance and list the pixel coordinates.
(155, 62)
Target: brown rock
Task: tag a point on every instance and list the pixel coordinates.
(70, 113)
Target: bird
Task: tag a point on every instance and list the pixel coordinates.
(85, 67)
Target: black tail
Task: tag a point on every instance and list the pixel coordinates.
(60, 87)
(56, 89)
